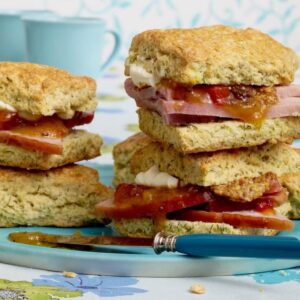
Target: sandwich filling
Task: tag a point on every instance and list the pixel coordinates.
(38, 133)
(250, 202)
(180, 105)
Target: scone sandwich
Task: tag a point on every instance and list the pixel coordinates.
(39, 108)
(63, 197)
(212, 88)
(229, 191)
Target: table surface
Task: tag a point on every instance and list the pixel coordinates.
(115, 120)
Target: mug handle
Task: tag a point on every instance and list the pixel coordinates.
(114, 52)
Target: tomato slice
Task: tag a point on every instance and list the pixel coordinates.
(235, 219)
(218, 93)
(134, 201)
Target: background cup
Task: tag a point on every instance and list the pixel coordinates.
(12, 45)
(73, 44)
(12, 34)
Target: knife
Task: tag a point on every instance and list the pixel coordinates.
(194, 245)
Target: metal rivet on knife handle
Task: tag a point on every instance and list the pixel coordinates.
(163, 243)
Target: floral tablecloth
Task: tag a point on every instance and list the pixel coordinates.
(21, 283)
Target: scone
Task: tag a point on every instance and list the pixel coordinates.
(213, 88)
(40, 106)
(63, 197)
(203, 169)
(122, 154)
(226, 192)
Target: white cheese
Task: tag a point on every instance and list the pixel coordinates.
(141, 77)
(5, 106)
(153, 177)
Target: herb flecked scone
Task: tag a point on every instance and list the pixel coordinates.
(63, 197)
(42, 90)
(123, 153)
(220, 167)
(213, 55)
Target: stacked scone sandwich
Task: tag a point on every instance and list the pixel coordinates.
(217, 109)
(39, 108)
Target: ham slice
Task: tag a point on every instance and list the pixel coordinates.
(177, 112)
(41, 144)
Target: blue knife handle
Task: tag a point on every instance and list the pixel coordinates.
(238, 246)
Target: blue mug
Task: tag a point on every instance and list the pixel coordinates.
(12, 35)
(72, 44)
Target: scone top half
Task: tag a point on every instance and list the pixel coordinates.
(42, 104)
(237, 188)
(211, 73)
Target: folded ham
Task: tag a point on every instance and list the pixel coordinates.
(180, 112)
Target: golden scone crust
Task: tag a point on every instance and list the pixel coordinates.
(78, 145)
(202, 137)
(43, 90)
(213, 55)
(215, 168)
(122, 154)
(63, 197)
(245, 189)
(145, 227)
(292, 182)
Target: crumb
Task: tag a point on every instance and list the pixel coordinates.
(69, 274)
(283, 273)
(261, 290)
(197, 289)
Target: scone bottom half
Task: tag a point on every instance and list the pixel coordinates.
(62, 197)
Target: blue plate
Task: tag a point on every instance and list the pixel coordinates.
(128, 261)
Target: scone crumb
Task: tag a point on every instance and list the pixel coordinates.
(197, 289)
(283, 273)
(69, 274)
